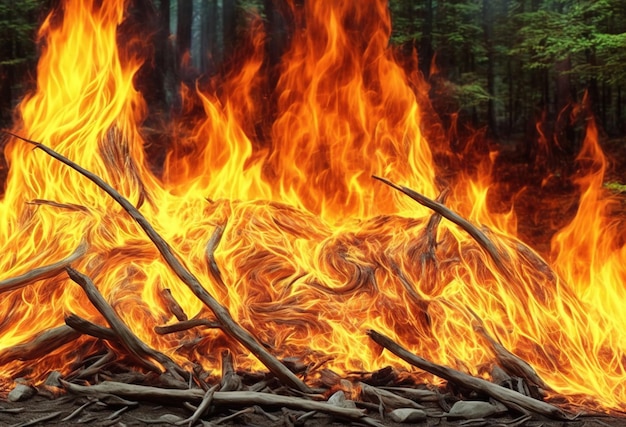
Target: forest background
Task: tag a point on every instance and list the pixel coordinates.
(498, 65)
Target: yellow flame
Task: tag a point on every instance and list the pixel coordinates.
(314, 251)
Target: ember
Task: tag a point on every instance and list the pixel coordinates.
(300, 245)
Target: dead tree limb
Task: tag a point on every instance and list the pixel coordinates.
(44, 272)
(480, 237)
(231, 327)
(510, 398)
(41, 345)
(141, 351)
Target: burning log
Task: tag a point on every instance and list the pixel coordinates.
(509, 398)
(44, 272)
(232, 328)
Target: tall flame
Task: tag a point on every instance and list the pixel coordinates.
(314, 251)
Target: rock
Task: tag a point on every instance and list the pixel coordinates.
(21, 392)
(407, 415)
(471, 409)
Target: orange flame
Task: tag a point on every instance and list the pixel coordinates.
(314, 251)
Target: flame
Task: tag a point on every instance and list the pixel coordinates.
(314, 251)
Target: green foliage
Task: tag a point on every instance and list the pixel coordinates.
(589, 33)
(17, 29)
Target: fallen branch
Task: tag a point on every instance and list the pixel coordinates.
(44, 272)
(220, 398)
(480, 237)
(41, 345)
(510, 398)
(231, 327)
(127, 338)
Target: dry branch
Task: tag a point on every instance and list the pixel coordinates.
(215, 239)
(511, 364)
(44, 272)
(480, 237)
(127, 338)
(41, 345)
(185, 325)
(85, 327)
(231, 327)
(220, 398)
(510, 398)
(68, 206)
(173, 305)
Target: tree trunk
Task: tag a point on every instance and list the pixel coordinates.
(491, 77)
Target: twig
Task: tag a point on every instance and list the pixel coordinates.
(128, 339)
(185, 325)
(42, 344)
(510, 398)
(44, 272)
(231, 327)
(34, 421)
(220, 398)
(68, 206)
(480, 237)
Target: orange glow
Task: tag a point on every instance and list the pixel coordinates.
(314, 251)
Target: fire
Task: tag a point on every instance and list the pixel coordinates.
(314, 251)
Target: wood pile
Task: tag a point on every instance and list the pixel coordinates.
(280, 396)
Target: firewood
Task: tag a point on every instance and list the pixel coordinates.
(481, 238)
(43, 343)
(222, 399)
(185, 325)
(231, 327)
(22, 391)
(141, 351)
(44, 272)
(85, 327)
(173, 305)
(510, 398)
